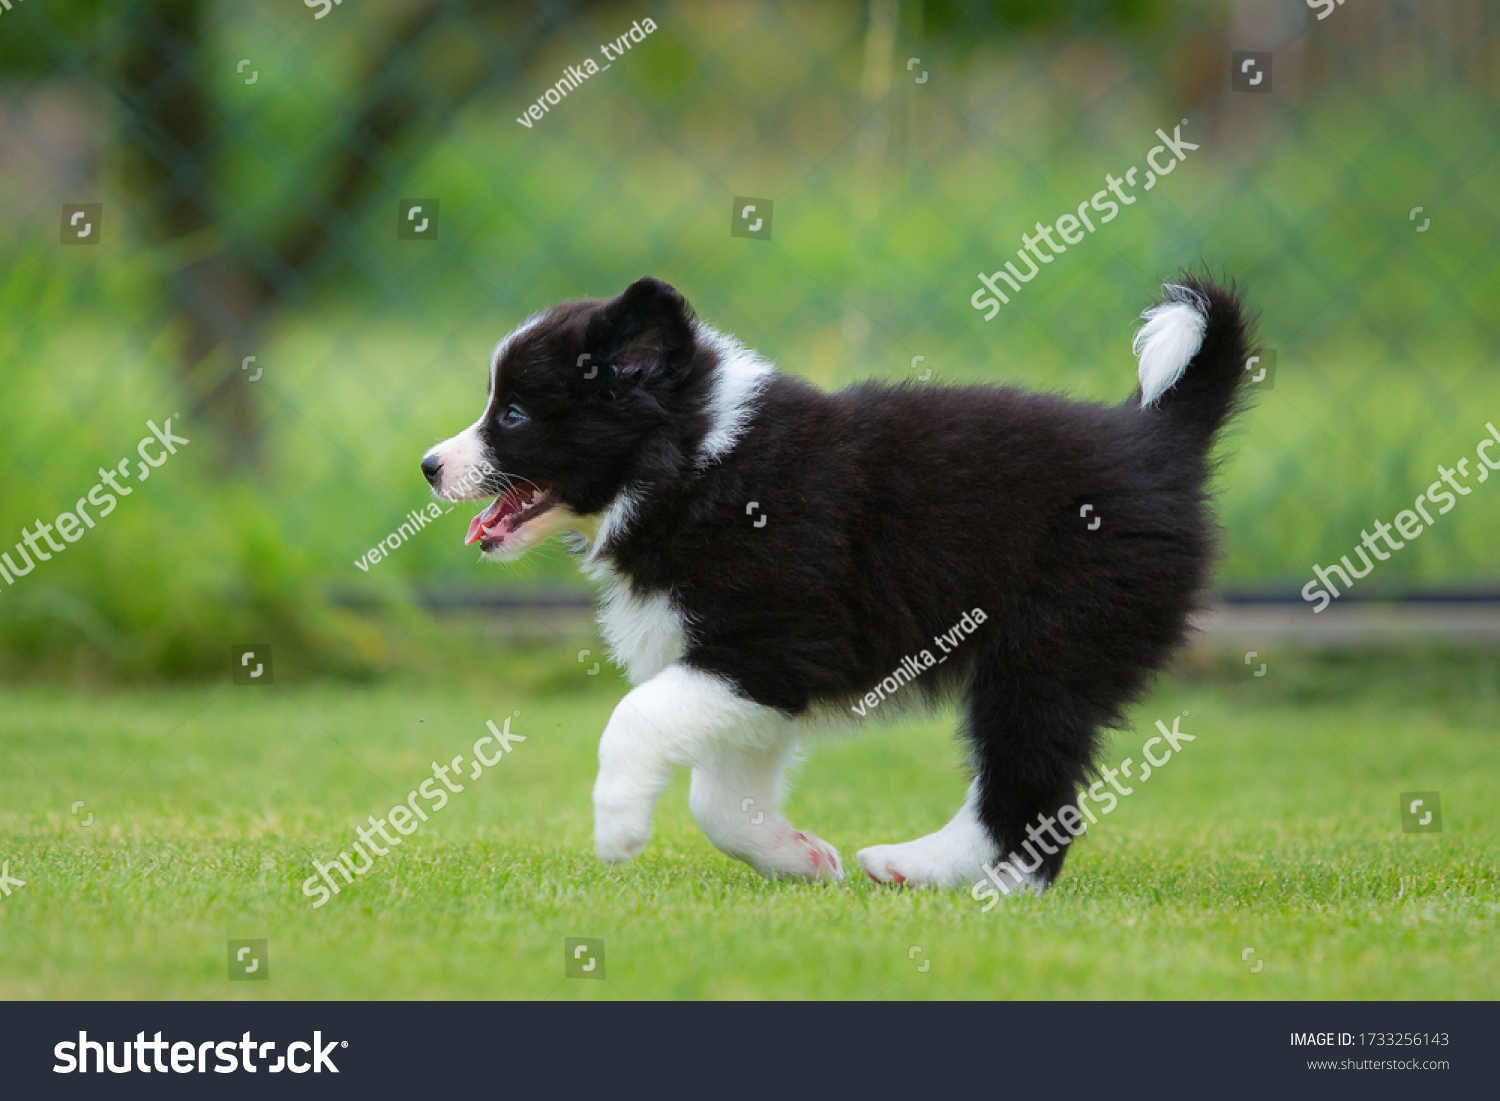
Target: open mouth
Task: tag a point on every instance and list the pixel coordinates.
(511, 511)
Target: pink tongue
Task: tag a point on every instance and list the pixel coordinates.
(477, 525)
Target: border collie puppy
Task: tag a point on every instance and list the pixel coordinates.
(771, 555)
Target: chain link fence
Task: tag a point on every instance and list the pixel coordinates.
(307, 225)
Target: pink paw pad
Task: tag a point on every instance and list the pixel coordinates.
(812, 851)
(820, 859)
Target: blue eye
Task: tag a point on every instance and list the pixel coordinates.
(514, 415)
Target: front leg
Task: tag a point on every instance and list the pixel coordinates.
(736, 799)
(678, 717)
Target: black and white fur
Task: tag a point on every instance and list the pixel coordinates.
(881, 514)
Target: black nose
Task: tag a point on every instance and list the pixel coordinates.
(432, 469)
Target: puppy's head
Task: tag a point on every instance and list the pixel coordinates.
(586, 398)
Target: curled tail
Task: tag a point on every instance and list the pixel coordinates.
(1192, 352)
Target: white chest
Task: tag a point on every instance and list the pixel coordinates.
(644, 634)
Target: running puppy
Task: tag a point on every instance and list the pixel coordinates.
(771, 555)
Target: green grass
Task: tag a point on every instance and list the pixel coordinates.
(1275, 830)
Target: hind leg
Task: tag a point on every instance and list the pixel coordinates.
(1033, 745)
(735, 798)
(1031, 753)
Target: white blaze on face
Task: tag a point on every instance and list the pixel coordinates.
(467, 473)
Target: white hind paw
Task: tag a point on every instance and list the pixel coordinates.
(953, 858)
(902, 865)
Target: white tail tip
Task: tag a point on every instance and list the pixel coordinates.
(1169, 339)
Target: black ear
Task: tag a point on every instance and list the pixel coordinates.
(645, 336)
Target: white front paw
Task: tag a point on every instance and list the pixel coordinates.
(820, 859)
(621, 829)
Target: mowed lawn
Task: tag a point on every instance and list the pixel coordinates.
(1265, 860)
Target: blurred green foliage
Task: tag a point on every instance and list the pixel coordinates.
(889, 197)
